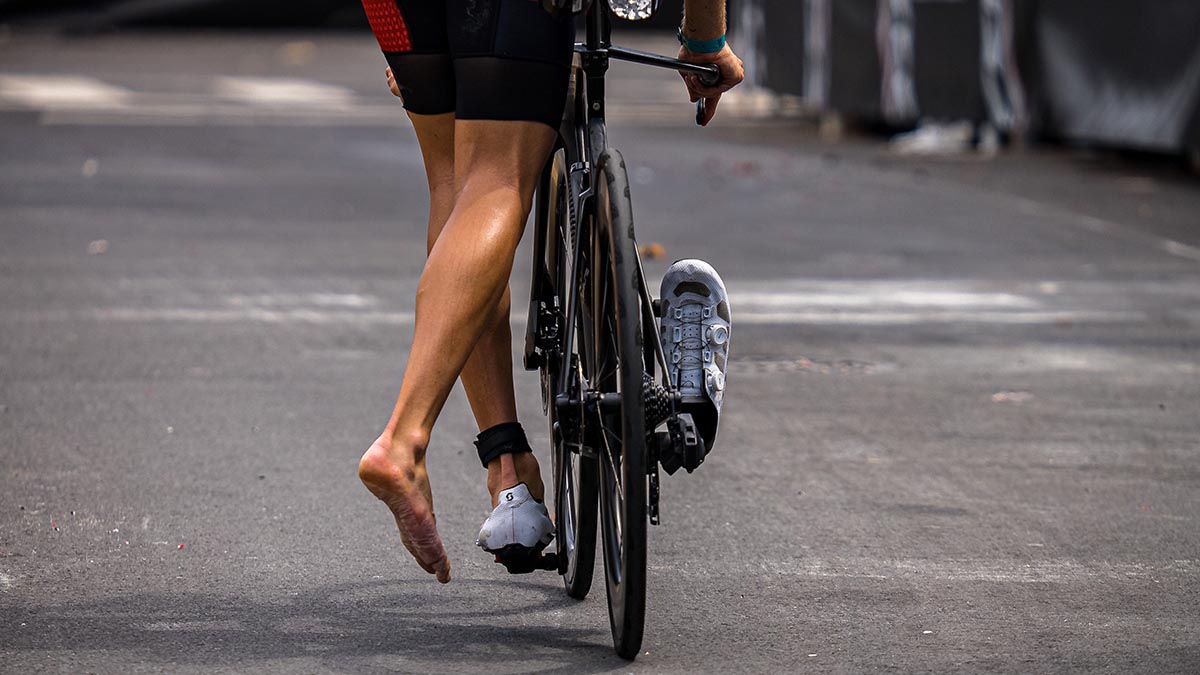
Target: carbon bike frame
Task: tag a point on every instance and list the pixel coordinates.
(591, 136)
(584, 137)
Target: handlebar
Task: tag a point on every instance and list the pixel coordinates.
(708, 75)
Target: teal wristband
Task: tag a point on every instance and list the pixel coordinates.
(701, 46)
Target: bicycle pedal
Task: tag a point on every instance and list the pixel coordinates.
(519, 559)
(681, 446)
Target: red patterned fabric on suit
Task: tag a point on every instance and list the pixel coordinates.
(388, 25)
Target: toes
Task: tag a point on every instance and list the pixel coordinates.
(442, 569)
(425, 545)
(412, 510)
(416, 554)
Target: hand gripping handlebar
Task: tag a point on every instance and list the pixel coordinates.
(708, 74)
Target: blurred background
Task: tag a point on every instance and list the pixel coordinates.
(947, 75)
(1122, 74)
(962, 244)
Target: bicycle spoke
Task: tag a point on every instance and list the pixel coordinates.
(612, 464)
(601, 368)
(615, 477)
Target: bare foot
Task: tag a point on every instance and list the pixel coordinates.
(401, 482)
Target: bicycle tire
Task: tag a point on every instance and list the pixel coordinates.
(619, 368)
(575, 475)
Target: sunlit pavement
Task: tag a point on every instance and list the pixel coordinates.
(961, 431)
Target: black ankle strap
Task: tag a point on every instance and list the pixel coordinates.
(505, 438)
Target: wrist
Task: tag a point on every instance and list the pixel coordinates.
(701, 46)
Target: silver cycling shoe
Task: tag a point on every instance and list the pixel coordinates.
(694, 331)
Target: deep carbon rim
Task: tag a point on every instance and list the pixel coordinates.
(619, 369)
(574, 475)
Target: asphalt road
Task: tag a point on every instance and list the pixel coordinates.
(962, 432)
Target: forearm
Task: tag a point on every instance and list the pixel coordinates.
(703, 19)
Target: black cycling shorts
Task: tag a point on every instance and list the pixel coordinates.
(479, 59)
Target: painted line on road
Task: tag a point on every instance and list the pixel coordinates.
(969, 570)
(1099, 225)
(1102, 226)
(284, 91)
(252, 314)
(58, 91)
(345, 318)
(935, 317)
(1181, 250)
(200, 625)
(874, 295)
(318, 299)
(796, 302)
(283, 101)
(183, 114)
(216, 114)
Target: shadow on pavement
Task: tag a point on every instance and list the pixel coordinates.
(380, 625)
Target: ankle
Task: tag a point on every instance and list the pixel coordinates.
(408, 445)
(526, 468)
(387, 455)
(502, 474)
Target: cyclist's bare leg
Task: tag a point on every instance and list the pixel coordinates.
(487, 376)
(496, 168)
(487, 379)
(403, 483)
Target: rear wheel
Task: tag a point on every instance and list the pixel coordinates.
(617, 371)
(575, 480)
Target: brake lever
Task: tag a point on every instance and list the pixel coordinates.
(708, 78)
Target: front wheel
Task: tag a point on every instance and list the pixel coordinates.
(618, 368)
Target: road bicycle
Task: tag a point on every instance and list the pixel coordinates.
(592, 333)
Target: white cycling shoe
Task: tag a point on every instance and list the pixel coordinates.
(694, 331)
(517, 531)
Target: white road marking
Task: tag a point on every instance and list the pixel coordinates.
(1031, 358)
(6, 581)
(872, 295)
(317, 299)
(360, 114)
(249, 314)
(1179, 249)
(754, 302)
(348, 318)
(957, 570)
(240, 101)
(211, 114)
(1099, 225)
(206, 625)
(54, 92)
(71, 99)
(279, 91)
(934, 317)
(922, 301)
(783, 302)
